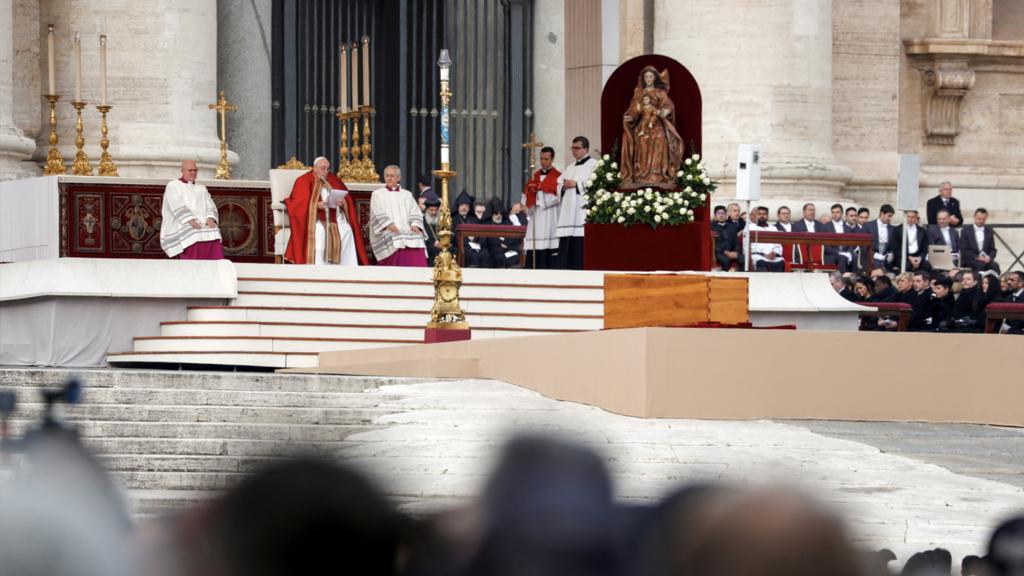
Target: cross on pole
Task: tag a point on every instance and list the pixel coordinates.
(532, 145)
(223, 107)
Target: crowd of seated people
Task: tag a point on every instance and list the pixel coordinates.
(547, 509)
(477, 252)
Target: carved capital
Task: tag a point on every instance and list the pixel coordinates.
(945, 85)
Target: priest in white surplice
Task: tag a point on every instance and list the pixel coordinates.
(572, 213)
(396, 224)
(541, 200)
(190, 224)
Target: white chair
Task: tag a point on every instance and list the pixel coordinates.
(281, 182)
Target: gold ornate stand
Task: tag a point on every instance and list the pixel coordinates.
(447, 320)
(107, 166)
(369, 171)
(54, 160)
(82, 166)
(344, 166)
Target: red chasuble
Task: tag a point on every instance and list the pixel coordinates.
(548, 186)
(301, 206)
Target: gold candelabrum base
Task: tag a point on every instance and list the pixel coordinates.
(223, 169)
(446, 312)
(356, 163)
(107, 166)
(82, 166)
(54, 160)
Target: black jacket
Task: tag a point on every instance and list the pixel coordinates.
(935, 204)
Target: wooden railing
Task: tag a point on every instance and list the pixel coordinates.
(997, 312)
(489, 231)
(812, 245)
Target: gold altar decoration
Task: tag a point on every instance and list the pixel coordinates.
(532, 147)
(82, 166)
(446, 312)
(223, 107)
(54, 160)
(293, 163)
(107, 166)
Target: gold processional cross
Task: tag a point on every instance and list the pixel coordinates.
(532, 145)
(223, 107)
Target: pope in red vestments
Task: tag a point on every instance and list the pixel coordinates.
(303, 213)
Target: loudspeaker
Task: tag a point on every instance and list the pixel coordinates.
(908, 182)
(748, 172)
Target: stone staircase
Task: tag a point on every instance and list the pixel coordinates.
(176, 438)
(285, 315)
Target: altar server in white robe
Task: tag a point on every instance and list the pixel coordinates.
(540, 197)
(396, 224)
(572, 213)
(190, 225)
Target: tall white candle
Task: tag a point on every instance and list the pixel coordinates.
(355, 76)
(103, 69)
(343, 93)
(51, 60)
(366, 70)
(78, 67)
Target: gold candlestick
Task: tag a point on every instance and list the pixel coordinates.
(369, 170)
(356, 171)
(54, 160)
(343, 166)
(107, 166)
(447, 319)
(82, 166)
(223, 107)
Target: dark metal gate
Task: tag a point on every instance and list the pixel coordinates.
(489, 41)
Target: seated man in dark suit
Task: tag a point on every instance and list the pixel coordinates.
(783, 223)
(839, 256)
(942, 234)
(727, 252)
(1015, 281)
(883, 238)
(917, 243)
(978, 244)
(945, 201)
(940, 307)
(920, 300)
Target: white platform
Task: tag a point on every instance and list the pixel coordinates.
(88, 312)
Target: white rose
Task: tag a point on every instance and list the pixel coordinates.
(689, 212)
(686, 202)
(695, 157)
(609, 177)
(707, 181)
(657, 218)
(647, 208)
(689, 162)
(615, 165)
(688, 189)
(622, 219)
(679, 174)
(703, 197)
(606, 157)
(631, 210)
(689, 177)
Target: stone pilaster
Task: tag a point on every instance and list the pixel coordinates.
(162, 72)
(15, 148)
(549, 77)
(765, 71)
(243, 72)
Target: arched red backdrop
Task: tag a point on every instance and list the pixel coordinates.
(612, 247)
(683, 90)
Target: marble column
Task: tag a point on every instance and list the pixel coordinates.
(15, 148)
(765, 72)
(549, 77)
(243, 72)
(162, 73)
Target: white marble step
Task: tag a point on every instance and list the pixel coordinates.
(419, 289)
(124, 412)
(296, 330)
(383, 273)
(380, 317)
(222, 358)
(480, 306)
(256, 344)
